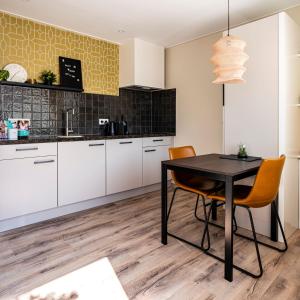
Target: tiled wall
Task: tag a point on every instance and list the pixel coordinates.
(37, 47)
(145, 112)
(164, 111)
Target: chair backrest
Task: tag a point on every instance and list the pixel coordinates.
(267, 181)
(181, 152)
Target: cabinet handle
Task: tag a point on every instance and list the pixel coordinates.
(27, 149)
(152, 150)
(93, 145)
(38, 162)
(125, 143)
(158, 140)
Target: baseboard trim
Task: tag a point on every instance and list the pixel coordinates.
(21, 221)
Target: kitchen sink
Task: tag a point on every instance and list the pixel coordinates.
(69, 136)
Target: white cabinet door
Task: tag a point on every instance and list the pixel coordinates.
(28, 185)
(81, 171)
(124, 165)
(152, 158)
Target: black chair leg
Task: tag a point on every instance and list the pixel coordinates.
(206, 231)
(235, 266)
(206, 224)
(254, 239)
(196, 207)
(273, 206)
(234, 220)
(207, 221)
(195, 213)
(171, 204)
(203, 220)
(256, 243)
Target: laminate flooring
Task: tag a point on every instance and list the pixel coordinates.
(128, 233)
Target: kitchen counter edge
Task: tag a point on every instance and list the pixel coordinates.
(56, 139)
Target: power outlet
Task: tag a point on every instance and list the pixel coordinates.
(103, 121)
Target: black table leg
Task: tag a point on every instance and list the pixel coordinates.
(164, 204)
(214, 210)
(274, 228)
(228, 229)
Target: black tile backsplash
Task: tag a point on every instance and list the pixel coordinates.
(145, 112)
(164, 111)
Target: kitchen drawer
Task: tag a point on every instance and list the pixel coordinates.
(157, 141)
(123, 143)
(27, 150)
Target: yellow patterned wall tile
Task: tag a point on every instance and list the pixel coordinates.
(37, 47)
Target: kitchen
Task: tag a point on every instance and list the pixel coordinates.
(106, 104)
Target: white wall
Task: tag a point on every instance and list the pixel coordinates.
(251, 114)
(294, 13)
(251, 109)
(198, 101)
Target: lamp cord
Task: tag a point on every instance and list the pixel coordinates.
(228, 21)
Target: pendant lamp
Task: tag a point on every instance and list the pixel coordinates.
(229, 58)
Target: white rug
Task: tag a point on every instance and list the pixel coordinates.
(92, 282)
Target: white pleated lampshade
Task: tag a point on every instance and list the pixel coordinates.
(229, 59)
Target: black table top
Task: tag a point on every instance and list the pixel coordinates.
(214, 164)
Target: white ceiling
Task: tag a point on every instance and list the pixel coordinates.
(165, 22)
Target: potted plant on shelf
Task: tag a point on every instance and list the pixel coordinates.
(4, 74)
(48, 77)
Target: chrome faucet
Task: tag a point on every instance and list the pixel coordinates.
(67, 129)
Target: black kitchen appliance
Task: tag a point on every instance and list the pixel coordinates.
(110, 128)
(116, 127)
(122, 127)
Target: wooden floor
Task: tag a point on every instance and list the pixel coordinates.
(128, 233)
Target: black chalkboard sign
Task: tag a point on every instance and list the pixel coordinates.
(70, 72)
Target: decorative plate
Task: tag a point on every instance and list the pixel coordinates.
(17, 73)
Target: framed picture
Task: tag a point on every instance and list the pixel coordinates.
(23, 124)
(70, 72)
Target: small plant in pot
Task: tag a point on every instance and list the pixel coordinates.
(4, 74)
(48, 77)
(242, 151)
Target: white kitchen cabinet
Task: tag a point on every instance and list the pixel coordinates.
(81, 171)
(124, 165)
(152, 158)
(142, 63)
(28, 185)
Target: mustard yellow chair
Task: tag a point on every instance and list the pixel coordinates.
(199, 185)
(263, 192)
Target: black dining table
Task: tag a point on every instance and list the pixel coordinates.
(213, 166)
